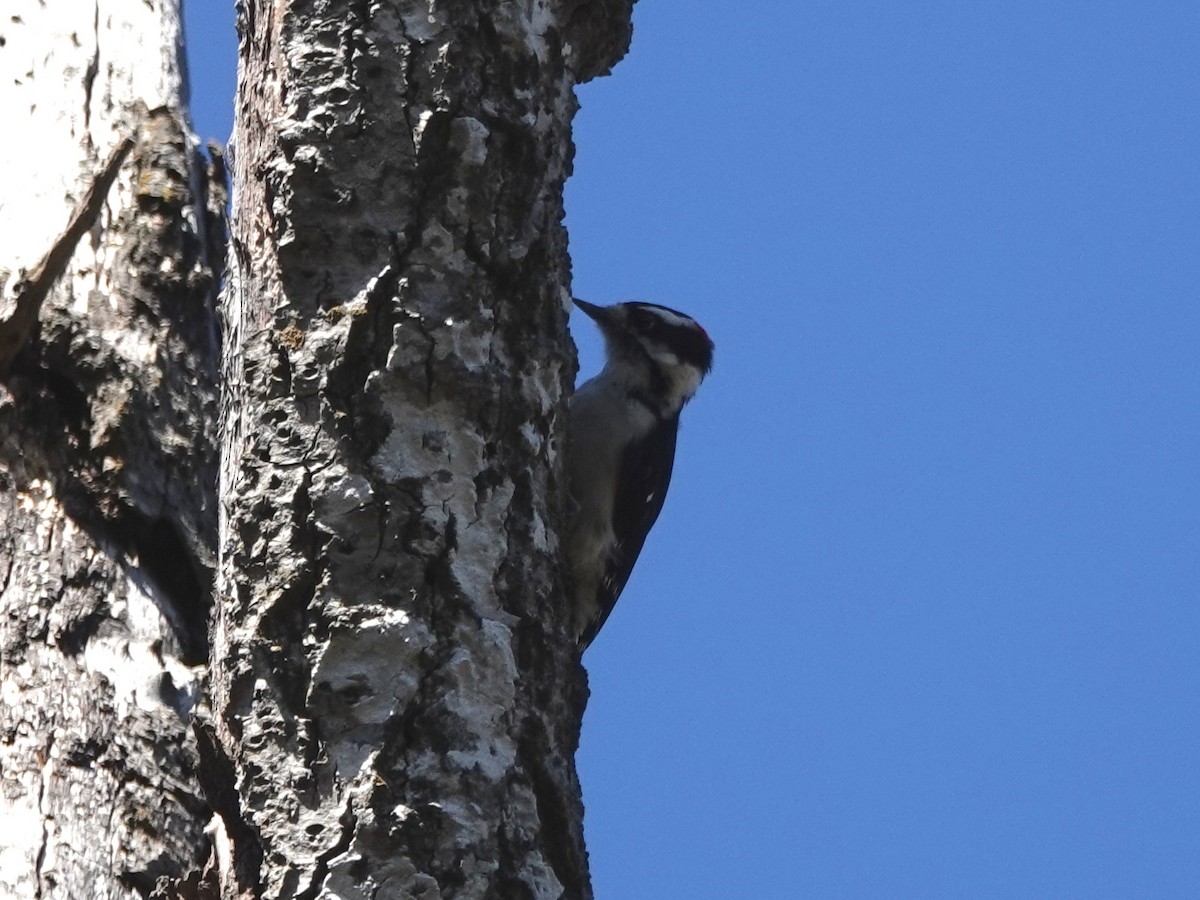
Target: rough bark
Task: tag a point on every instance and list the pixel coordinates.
(107, 456)
(396, 704)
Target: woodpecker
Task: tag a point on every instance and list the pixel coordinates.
(621, 433)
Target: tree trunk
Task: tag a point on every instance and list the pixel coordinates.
(107, 454)
(397, 706)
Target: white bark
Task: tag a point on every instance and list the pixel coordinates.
(106, 500)
(70, 74)
(394, 685)
(397, 703)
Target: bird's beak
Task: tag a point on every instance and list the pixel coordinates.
(598, 314)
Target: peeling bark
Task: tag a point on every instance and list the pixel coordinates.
(107, 458)
(397, 705)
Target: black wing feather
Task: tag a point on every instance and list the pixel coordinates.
(645, 473)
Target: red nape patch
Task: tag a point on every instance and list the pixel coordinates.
(700, 328)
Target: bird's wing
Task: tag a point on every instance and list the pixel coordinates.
(643, 478)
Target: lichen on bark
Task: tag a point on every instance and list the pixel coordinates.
(395, 701)
(401, 704)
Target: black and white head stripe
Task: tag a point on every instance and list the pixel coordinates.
(672, 330)
(622, 431)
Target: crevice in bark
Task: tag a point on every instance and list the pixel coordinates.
(218, 781)
(46, 817)
(286, 622)
(6, 485)
(354, 32)
(356, 415)
(182, 581)
(89, 75)
(151, 548)
(215, 185)
(57, 420)
(509, 885)
(73, 637)
(281, 651)
(349, 823)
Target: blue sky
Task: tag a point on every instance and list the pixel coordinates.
(920, 618)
